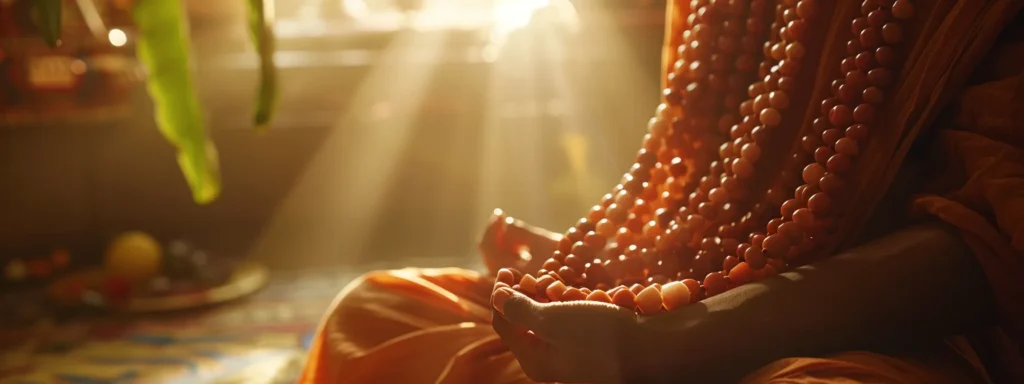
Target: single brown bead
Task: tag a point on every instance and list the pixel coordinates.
(677, 167)
(800, 191)
(857, 79)
(640, 173)
(847, 146)
(828, 104)
(596, 213)
(848, 94)
(582, 250)
(751, 152)
(858, 24)
(868, 5)
(857, 132)
(870, 38)
(790, 230)
(730, 262)
(806, 9)
(831, 183)
(787, 67)
(584, 226)
(742, 168)
(659, 127)
(747, 107)
(788, 207)
(741, 248)
(719, 63)
(877, 18)
(573, 294)
(565, 243)
(756, 88)
(551, 265)
(790, 14)
(761, 102)
(864, 113)
(718, 196)
(853, 46)
(820, 203)
(873, 95)
(838, 163)
(885, 56)
(646, 159)
(770, 117)
(846, 65)
(778, 100)
(820, 124)
(616, 214)
(786, 83)
(759, 134)
(796, 29)
(698, 69)
(880, 77)
(625, 299)
(804, 218)
(595, 241)
(543, 282)
(902, 9)
(672, 96)
(708, 210)
(840, 115)
(714, 284)
(755, 257)
(776, 245)
(812, 173)
(728, 44)
(795, 50)
(865, 61)
(577, 262)
(822, 154)
(810, 142)
(773, 225)
(830, 136)
(836, 84)
(740, 274)
(625, 235)
(558, 256)
(892, 33)
(777, 51)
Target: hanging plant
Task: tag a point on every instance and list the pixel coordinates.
(163, 47)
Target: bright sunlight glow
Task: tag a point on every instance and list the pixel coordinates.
(117, 37)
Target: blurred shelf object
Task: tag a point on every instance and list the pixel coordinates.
(91, 76)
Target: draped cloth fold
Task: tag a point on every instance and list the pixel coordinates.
(416, 326)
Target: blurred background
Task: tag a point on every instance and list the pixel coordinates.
(402, 125)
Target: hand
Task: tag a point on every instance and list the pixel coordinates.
(511, 243)
(568, 342)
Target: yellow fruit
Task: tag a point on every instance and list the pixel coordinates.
(134, 255)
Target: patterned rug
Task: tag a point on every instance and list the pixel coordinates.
(259, 340)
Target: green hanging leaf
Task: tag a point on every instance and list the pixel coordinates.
(261, 29)
(49, 17)
(163, 46)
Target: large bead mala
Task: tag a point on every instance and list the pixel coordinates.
(697, 215)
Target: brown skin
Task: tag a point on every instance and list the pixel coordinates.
(510, 243)
(914, 285)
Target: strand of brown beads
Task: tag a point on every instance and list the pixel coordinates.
(669, 235)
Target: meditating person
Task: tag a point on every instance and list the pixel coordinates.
(830, 192)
